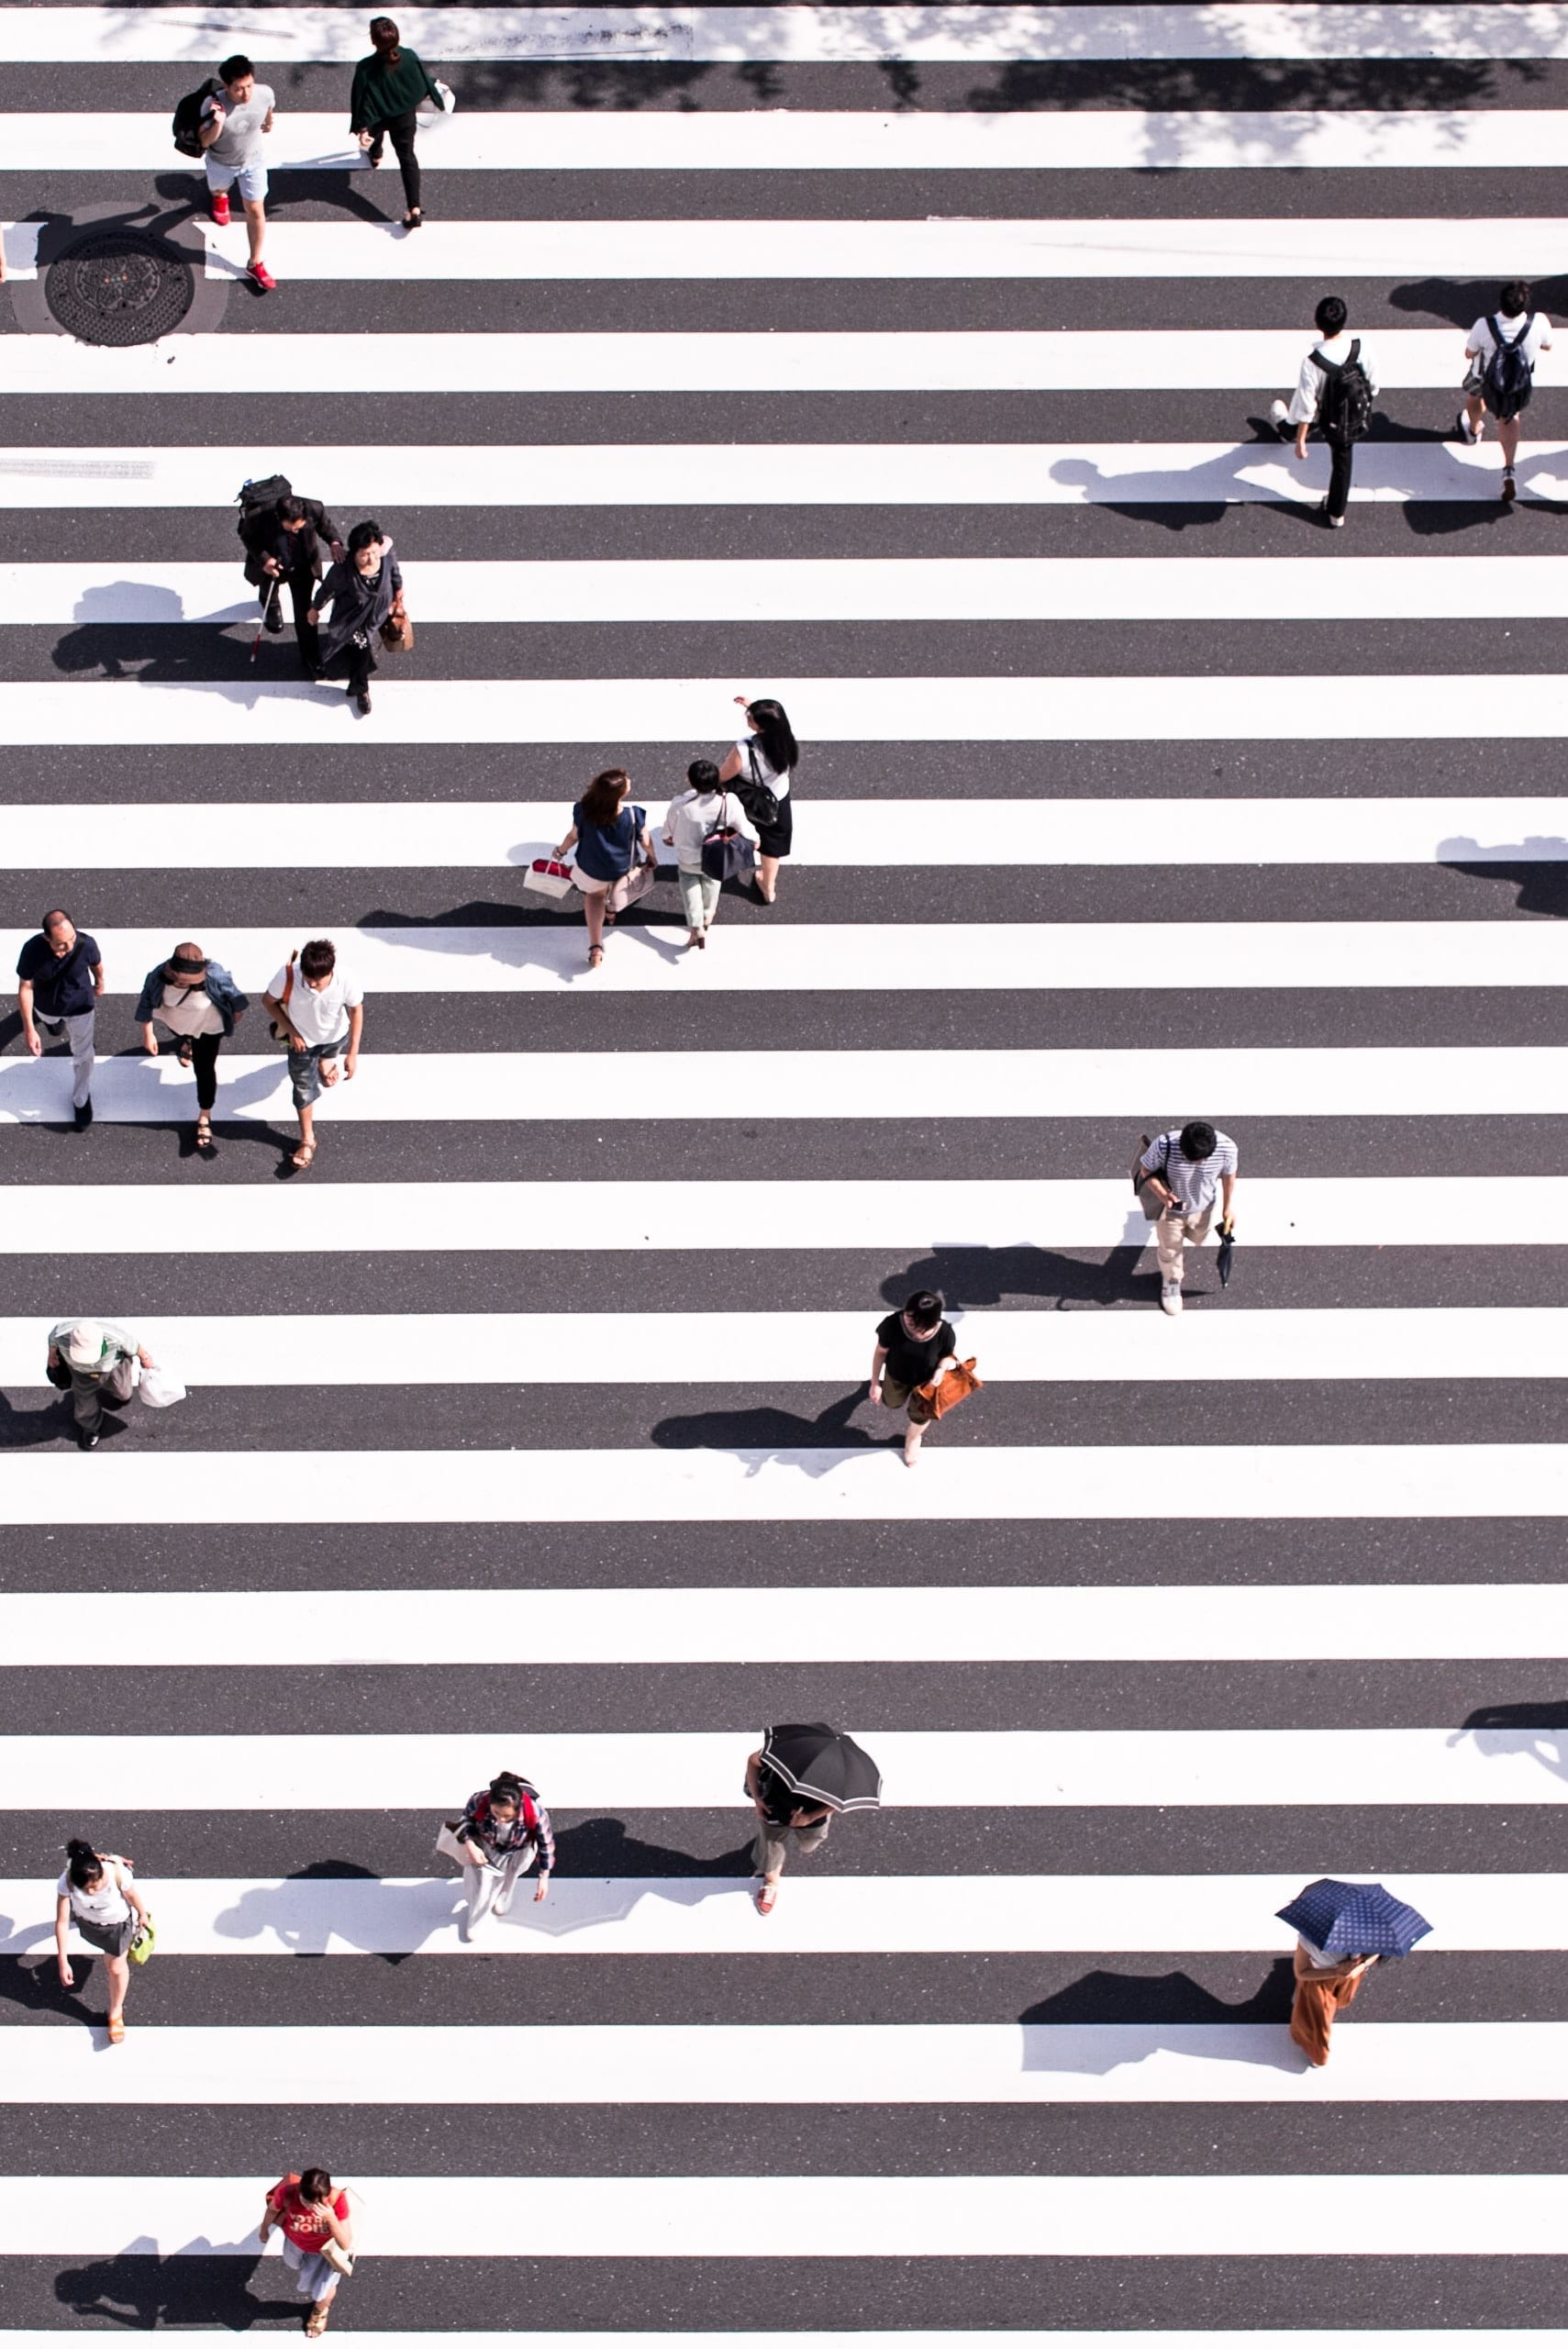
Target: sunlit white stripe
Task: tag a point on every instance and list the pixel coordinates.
(1524, 707)
(359, 1219)
(733, 1351)
(824, 1915)
(1348, 1622)
(1025, 360)
(753, 474)
(1312, 1081)
(1005, 587)
(952, 1769)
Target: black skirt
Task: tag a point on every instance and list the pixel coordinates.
(777, 839)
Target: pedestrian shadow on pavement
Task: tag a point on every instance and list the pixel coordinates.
(204, 2284)
(517, 938)
(1536, 868)
(1537, 1727)
(33, 1984)
(966, 1278)
(1108, 2020)
(765, 1432)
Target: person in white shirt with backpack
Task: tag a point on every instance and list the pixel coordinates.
(1334, 392)
(1500, 353)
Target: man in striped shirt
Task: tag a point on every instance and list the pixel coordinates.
(1185, 1170)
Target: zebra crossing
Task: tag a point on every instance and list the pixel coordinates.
(906, 363)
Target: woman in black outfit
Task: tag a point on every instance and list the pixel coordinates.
(364, 591)
(388, 86)
(765, 759)
(912, 1348)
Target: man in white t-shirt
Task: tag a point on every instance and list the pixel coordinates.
(1317, 402)
(232, 128)
(1183, 1171)
(319, 1009)
(1513, 326)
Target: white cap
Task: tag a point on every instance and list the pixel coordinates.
(84, 1347)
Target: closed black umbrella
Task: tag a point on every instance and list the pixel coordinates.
(821, 1765)
(1227, 1250)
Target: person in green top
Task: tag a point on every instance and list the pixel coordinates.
(388, 86)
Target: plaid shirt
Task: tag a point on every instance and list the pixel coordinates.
(498, 1841)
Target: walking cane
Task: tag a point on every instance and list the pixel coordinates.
(267, 610)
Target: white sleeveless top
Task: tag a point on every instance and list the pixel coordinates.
(106, 1904)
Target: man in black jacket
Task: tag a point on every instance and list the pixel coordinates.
(291, 541)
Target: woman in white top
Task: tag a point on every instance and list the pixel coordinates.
(198, 1002)
(97, 1894)
(688, 820)
(765, 759)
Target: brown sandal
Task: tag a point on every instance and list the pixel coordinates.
(303, 1155)
(316, 2322)
(117, 2029)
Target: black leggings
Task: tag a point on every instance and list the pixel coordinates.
(400, 129)
(203, 1060)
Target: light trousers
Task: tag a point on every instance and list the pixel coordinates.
(78, 1026)
(699, 897)
(487, 1888)
(1171, 1231)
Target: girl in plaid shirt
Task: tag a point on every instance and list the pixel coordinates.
(504, 1827)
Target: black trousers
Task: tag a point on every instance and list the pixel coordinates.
(1342, 462)
(301, 584)
(401, 130)
(203, 1060)
(355, 662)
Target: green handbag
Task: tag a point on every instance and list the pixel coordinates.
(145, 1943)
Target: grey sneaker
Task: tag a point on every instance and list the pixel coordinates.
(1170, 1296)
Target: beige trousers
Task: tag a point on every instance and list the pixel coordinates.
(1172, 1229)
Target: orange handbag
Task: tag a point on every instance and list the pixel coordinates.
(954, 1387)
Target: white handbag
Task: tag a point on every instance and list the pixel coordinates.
(448, 1845)
(157, 1389)
(548, 877)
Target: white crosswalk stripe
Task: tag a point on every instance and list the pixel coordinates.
(531, 1424)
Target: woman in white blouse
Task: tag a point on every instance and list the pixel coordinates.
(97, 1894)
(688, 820)
(760, 768)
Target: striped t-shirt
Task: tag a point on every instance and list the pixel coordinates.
(1194, 1180)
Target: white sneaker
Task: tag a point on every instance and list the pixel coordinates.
(1279, 417)
(1467, 431)
(1170, 1296)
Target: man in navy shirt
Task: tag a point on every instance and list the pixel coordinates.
(61, 975)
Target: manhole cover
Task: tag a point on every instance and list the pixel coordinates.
(117, 286)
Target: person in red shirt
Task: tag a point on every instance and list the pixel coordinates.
(312, 2214)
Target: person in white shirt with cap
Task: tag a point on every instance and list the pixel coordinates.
(94, 1359)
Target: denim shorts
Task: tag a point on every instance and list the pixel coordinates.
(304, 1069)
(252, 179)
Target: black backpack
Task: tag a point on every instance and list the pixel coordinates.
(760, 802)
(185, 128)
(1344, 407)
(1508, 378)
(260, 498)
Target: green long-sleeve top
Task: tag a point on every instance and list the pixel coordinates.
(383, 90)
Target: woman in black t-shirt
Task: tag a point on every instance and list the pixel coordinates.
(912, 1348)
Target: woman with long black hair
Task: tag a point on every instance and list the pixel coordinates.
(760, 767)
(97, 1894)
(388, 86)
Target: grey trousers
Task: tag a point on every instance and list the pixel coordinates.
(78, 1026)
(771, 1844)
(87, 1393)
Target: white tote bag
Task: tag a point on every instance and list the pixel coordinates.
(157, 1389)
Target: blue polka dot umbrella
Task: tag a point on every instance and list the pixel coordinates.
(1354, 1920)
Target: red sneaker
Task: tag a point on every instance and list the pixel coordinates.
(262, 276)
(220, 212)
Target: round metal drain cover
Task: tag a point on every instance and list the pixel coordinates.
(117, 286)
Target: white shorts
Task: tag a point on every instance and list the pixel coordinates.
(252, 179)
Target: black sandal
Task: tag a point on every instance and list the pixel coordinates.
(186, 1048)
(414, 218)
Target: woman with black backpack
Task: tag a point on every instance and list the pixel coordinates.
(760, 767)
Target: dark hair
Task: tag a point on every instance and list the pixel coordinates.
(384, 38)
(506, 1787)
(362, 535)
(318, 958)
(234, 69)
(1514, 297)
(703, 775)
(779, 745)
(315, 2185)
(292, 510)
(600, 801)
(55, 913)
(82, 1865)
(1331, 315)
(1197, 1140)
(924, 1308)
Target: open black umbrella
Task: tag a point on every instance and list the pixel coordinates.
(1227, 1250)
(822, 1765)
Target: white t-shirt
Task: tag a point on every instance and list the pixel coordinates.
(689, 820)
(1480, 342)
(188, 1011)
(320, 1017)
(777, 784)
(1336, 350)
(104, 1905)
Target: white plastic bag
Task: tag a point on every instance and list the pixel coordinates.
(157, 1389)
(448, 96)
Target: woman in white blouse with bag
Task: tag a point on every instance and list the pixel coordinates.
(97, 1894)
(689, 820)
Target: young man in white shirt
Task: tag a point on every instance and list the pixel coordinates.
(232, 129)
(320, 1009)
(1333, 351)
(1185, 1170)
(1528, 331)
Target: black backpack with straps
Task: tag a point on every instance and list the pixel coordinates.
(1508, 377)
(1345, 405)
(185, 128)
